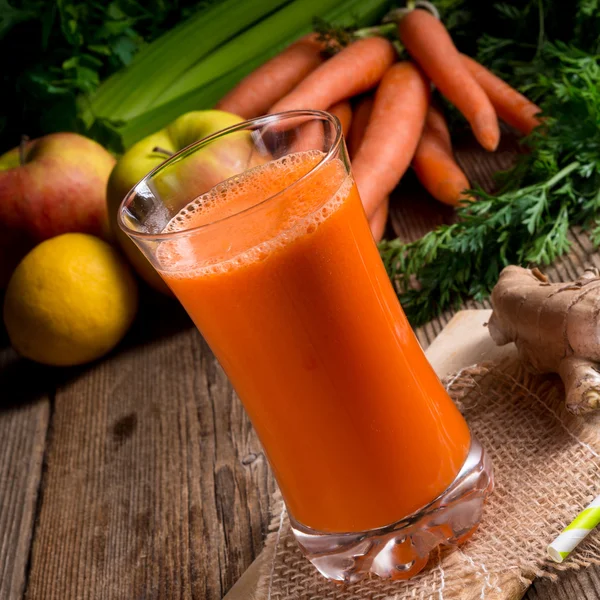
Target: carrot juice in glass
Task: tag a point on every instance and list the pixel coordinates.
(260, 233)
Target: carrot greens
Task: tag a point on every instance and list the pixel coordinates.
(553, 186)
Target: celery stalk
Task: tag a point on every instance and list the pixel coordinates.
(287, 23)
(196, 99)
(158, 66)
(281, 28)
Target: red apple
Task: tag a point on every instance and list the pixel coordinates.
(49, 186)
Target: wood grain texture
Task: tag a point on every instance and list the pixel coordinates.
(156, 486)
(571, 585)
(24, 414)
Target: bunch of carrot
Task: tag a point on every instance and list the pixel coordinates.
(385, 108)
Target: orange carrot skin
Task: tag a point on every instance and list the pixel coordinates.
(430, 44)
(512, 107)
(379, 220)
(360, 120)
(434, 162)
(257, 92)
(392, 135)
(343, 111)
(354, 70)
(436, 124)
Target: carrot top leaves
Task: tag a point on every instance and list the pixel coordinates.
(335, 37)
(552, 187)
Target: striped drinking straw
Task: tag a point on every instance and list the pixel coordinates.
(575, 532)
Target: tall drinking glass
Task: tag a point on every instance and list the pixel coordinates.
(260, 233)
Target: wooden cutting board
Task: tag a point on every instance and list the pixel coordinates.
(463, 342)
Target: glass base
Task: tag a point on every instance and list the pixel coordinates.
(401, 550)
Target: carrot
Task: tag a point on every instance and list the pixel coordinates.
(511, 106)
(435, 123)
(257, 92)
(434, 162)
(360, 120)
(356, 69)
(343, 111)
(379, 220)
(392, 134)
(430, 44)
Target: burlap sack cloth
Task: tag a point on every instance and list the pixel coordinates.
(547, 468)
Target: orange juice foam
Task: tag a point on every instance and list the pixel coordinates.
(265, 230)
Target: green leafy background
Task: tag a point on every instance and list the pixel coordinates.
(55, 50)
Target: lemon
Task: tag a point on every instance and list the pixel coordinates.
(70, 300)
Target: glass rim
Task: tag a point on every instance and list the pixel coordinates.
(256, 122)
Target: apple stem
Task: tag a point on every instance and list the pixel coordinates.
(162, 151)
(22, 147)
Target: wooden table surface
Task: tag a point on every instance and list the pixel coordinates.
(139, 477)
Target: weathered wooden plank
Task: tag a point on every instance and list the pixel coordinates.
(24, 415)
(572, 585)
(156, 486)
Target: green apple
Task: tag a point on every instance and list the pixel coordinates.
(182, 182)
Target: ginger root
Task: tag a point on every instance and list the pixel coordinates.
(556, 328)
